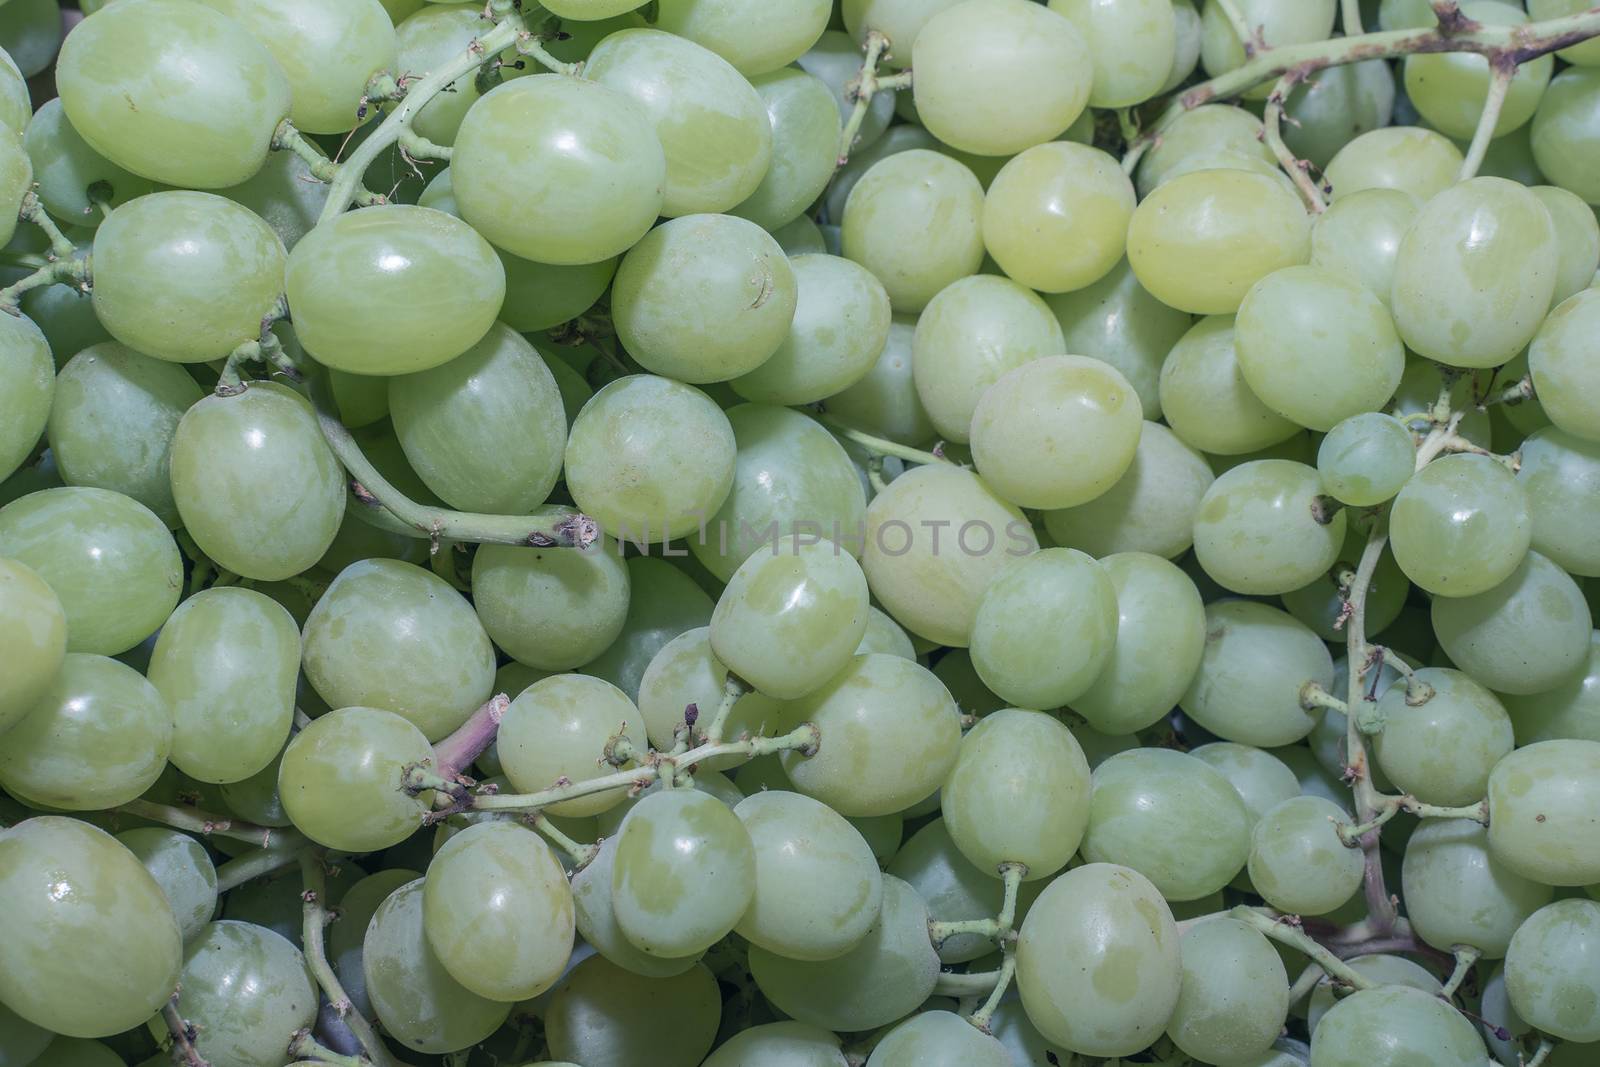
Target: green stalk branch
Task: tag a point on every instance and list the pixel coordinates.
(252, 865)
(950, 984)
(34, 212)
(1002, 982)
(734, 688)
(1241, 28)
(1466, 957)
(1313, 695)
(306, 1048)
(315, 921)
(1299, 170)
(74, 271)
(183, 1035)
(879, 445)
(205, 823)
(864, 86)
(580, 854)
(532, 46)
(1499, 85)
(1286, 930)
(1541, 1054)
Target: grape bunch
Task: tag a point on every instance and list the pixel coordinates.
(799, 533)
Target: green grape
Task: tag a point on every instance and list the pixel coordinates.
(1366, 459)
(805, 143)
(1551, 970)
(839, 328)
(934, 592)
(432, 37)
(1170, 817)
(663, 602)
(255, 482)
(817, 886)
(650, 458)
(886, 975)
(1321, 605)
(110, 560)
(1124, 984)
(883, 634)
(393, 289)
(33, 635)
(595, 165)
(1541, 803)
(1349, 358)
(1456, 893)
(1274, 23)
(1234, 996)
(24, 1043)
(1010, 1024)
(1256, 661)
(1334, 106)
(66, 317)
(1359, 237)
(885, 401)
(65, 166)
(686, 671)
(1133, 47)
(255, 799)
(345, 937)
(753, 38)
(938, 1039)
(391, 635)
(1565, 363)
(30, 32)
(1474, 274)
(1209, 137)
(951, 886)
(1565, 135)
(835, 59)
(16, 110)
(1151, 508)
(791, 618)
(1259, 528)
(898, 20)
(802, 237)
(1384, 970)
(896, 139)
(174, 92)
(978, 58)
(597, 921)
(1019, 793)
(27, 390)
(285, 194)
(1261, 779)
(781, 1044)
(1448, 89)
(914, 219)
(226, 663)
(1408, 158)
(1298, 863)
(1056, 216)
(1577, 246)
(1460, 526)
(1395, 1024)
(1568, 710)
(892, 736)
(1205, 399)
(113, 420)
(339, 781)
(419, 1004)
(558, 728)
(1186, 53)
(553, 609)
(16, 177)
(711, 122)
(1525, 635)
(243, 988)
(180, 865)
(1045, 628)
(1202, 240)
(497, 911)
(1442, 750)
(882, 834)
(604, 1016)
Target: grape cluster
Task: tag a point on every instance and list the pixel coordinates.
(799, 533)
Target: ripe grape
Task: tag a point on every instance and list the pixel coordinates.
(788, 1043)
(559, 728)
(1541, 803)
(606, 1017)
(1256, 661)
(1056, 216)
(27, 390)
(888, 225)
(1151, 508)
(1395, 1024)
(1205, 399)
(1564, 133)
(1577, 239)
(1526, 635)
(1276, 23)
(1564, 360)
(1359, 236)
(663, 602)
(180, 865)
(65, 166)
(1366, 459)
(835, 59)
(340, 779)
(1262, 528)
(1207, 138)
(1133, 46)
(1298, 863)
(1234, 994)
(1568, 710)
(1448, 89)
(1408, 158)
(1333, 107)
(1457, 893)
(1460, 526)
(938, 1039)
(1443, 750)
(1551, 969)
(552, 609)
(242, 988)
(33, 632)
(805, 143)
(1382, 969)
(431, 37)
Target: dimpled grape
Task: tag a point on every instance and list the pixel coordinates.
(1234, 998)
(393, 289)
(27, 388)
(1541, 803)
(255, 483)
(1408, 158)
(1553, 970)
(892, 730)
(414, 997)
(553, 609)
(805, 143)
(1564, 360)
(33, 637)
(65, 166)
(1205, 398)
(1210, 136)
(1460, 526)
(1151, 508)
(1297, 861)
(1120, 994)
(914, 219)
(605, 1017)
(1366, 459)
(110, 560)
(650, 458)
(1474, 274)
(1045, 628)
(1116, 320)
(88, 943)
(1525, 635)
(980, 57)
(1056, 216)
(1395, 1024)
(174, 92)
(597, 920)
(1571, 709)
(932, 584)
(242, 988)
(1448, 89)
(663, 602)
(1019, 793)
(1456, 892)
(1260, 530)
(340, 779)
(558, 170)
(1565, 137)
(782, 1044)
(226, 662)
(938, 1039)
(1256, 661)
(558, 728)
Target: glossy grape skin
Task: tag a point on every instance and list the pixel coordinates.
(1568, 710)
(886, 975)
(781, 1044)
(1256, 660)
(1443, 750)
(1565, 136)
(1448, 89)
(558, 170)
(1045, 628)
(1565, 363)
(1525, 635)
(1055, 218)
(1395, 1024)
(393, 289)
(663, 602)
(1205, 399)
(805, 143)
(1366, 459)
(173, 92)
(603, 1016)
(553, 609)
(121, 954)
(340, 779)
(110, 560)
(752, 38)
(1456, 893)
(1234, 996)
(650, 458)
(1551, 968)
(893, 733)
(1359, 236)
(1541, 800)
(1460, 526)
(1297, 861)
(414, 997)
(1151, 508)
(243, 987)
(557, 728)
(938, 1039)
(1257, 531)
(1475, 273)
(1406, 158)
(33, 635)
(597, 921)
(889, 225)
(255, 483)
(113, 419)
(1209, 137)
(65, 166)
(1119, 996)
(1133, 47)
(1019, 793)
(27, 389)
(180, 865)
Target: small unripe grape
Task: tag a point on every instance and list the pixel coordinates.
(1457, 893)
(1257, 660)
(1526, 635)
(1262, 528)
(952, 887)
(1056, 216)
(1542, 799)
(1397, 1024)
(340, 779)
(1448, 89)
(1460, 526)
(938, 1039)
(1564, 360)
(33, 637)
(914, 219)
(1553, 970)
(1205, 398)
(1366, 459)
(553, 609)
(559, 728)
(1408, 158)
(242, 987)
(1234, 997)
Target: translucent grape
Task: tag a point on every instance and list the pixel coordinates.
(1256, 661)
(1457, 893)
(1525, 635)
(1565, 137)
(1133, 46)
(1551, 969)
(553, 609)
(1056, 216)
(1564, 360)
(242, 988)
(1541, 799)
(1448, 89)
(1408, 158)
(1297, 861)
(938, 1039)
(558, 727)
(65, 166)
(33, 633)
(340, 779)
(1570, 709)
(663, 602)
(607, 1017)
(805, 143)
(1262, 528)
(1359, 237)
(1395, 1024)
(1209, 137)
(16, 110)
(1461, 526)
(432, 37)
(1275, 23)
(1205, 399)
(1334, 106)
(1366, 459)
(1151, 508)
(1234, 995)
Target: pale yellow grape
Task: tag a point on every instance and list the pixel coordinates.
(1448, 89)
(559, 728)
(1577, 240)
(1257, 530)
(1359, 237)
(1565, 135)
(914, 219)
(1564, 360)
(754, 37)
(1442, 750)
(1297, 861)
(429, 39)
(1475, 273)
(1561, 474)
(1409, 158)
(1456, 893)
(836, 60)
(340, 779)
(938, 1039)
(805, 147)
(1210, 136)
(885, 401)
(1235, 995)
(1277, 23)
(1125, 983)
(597, 920)
(1056, 216)
(1151, 508)
(971, 334)
(1256, 661)
(1133, 46)
(1395, 1024)
(1541, 804)
(1019, 793)
(1202, 240)
(1335, 106)
(1045, 628)
(1460, 526)
(898, 20)
(1526, 635)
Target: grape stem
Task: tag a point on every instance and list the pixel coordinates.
(532, 46)
(205, 823)
(580, 854)
(977, 984)
(34, 212)
(306, 1048)
(183, 1035)
(286, 138)
(1418, 692)
(1350, 17)
(1518, 392)
(74, 271)
(455, 753)
(881, 446)
(315, 920)
(1286, 930)
(864, 86)
(1542, 1053)
(1503, 70)
(1299, 170)
(1248, 37)
(1313, 695)
(252, 865)
(1466, 958)
(734, 688)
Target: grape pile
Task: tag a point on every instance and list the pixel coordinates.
(799, 533)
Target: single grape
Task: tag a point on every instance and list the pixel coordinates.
(938, 1039)
(180, 865)
(285, 194)
(33, 637)
(1056, 216)
(65, 166)
(1234, 996)
(782, 1044)
(558, 728)
(1150, 509)
(1257, 659)
(1565, 137)
(1526, 635)
(242, 988)
(340, 779)
(1209, 137)
(1205, 398)
(952, 887)
(1564, 360)
(1133, 46)
(553, 609)
(1443, 750)
(1382, 969)
(805, 144)
(1571, 709)
(1541, 804)
(597, 920)
(1333, 107)
(663, 602)
(1551, 970)
(1456, 893)
(1408, 158)
(603, 1016)
(1263, 527)
(1460, 526)
(1359, 237)
(1298, 863)
(1448, 89)
(1366, 459)
(1395, 1024)
(1577, 241)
